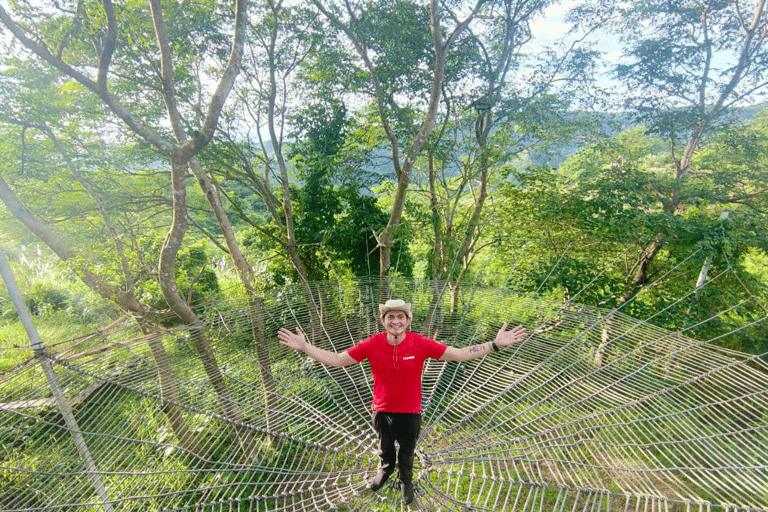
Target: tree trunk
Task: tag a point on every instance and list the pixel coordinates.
(647, 256)
(257, 318)
(127, 302)
(170, 249)
(455, 288)
(436, 316)
(387, 237)
(290, 235)
(169, 398)
(255, 302)
(179, 153)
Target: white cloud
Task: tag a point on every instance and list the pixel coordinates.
(546, 31)
(550, 26)
(613, 56)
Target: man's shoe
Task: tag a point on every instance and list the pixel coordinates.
(407, 489)
(379, 480)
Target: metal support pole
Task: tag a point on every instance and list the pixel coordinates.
(53, 382)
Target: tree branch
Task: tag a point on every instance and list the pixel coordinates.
(44, 53)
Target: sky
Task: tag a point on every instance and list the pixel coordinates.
(551, 26)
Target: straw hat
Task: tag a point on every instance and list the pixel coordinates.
(395, 305)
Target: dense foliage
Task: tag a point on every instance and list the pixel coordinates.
(394, 137)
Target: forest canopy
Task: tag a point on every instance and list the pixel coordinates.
(157, 154)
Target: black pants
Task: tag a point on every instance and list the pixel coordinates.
(401, 427)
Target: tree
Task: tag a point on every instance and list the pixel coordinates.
(598, 222)
(411, 77)
(334, 224)
(496, 111)
(686, 67)
(83, 46)
(278, 45)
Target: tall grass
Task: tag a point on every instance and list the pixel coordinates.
(62, 308)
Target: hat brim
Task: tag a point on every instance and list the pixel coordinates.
(405, 308)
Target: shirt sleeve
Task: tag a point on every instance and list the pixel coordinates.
(360, 351)
(435, 349)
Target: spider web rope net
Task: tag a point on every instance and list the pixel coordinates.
(594, 411)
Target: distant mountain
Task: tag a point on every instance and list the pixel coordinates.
(613, 123)
(749, 113)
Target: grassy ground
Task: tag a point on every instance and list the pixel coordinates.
(15, 345)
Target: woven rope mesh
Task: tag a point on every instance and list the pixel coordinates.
(594, 411)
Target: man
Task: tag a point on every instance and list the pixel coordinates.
(397, 359)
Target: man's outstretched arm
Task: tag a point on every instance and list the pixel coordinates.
(503, 338)
(297, 341)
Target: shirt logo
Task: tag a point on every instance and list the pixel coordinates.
(409, 357)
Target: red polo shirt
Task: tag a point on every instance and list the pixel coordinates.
(397, 369)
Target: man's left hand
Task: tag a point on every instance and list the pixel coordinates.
(508, 337)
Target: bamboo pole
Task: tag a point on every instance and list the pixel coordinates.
(66, 411)
(707, 263)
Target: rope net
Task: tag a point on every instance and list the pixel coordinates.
(594, 411)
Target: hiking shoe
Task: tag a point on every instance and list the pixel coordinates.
(379, 480)
(407, 489)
